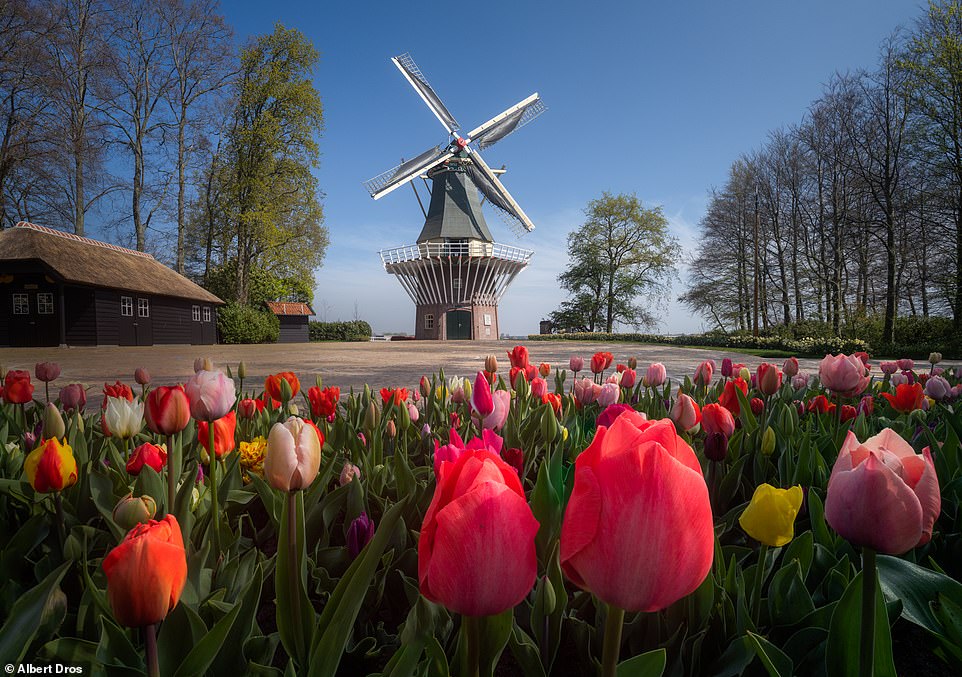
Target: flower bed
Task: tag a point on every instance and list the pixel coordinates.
(532, 519)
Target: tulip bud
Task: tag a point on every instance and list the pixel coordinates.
(286, 392)
(726, 367)
(633, 363)
(141, 376)
(544, 369)
(349, 473)
(786, 420)
(413, 413)
(758, 405)
(716, 446)
(521, 385)
(768, 441)
(549, 423)
(242, 371)
(744, 373)
(424, 386)
(47, 371)
(390, 429)
(491, 364)
(359, 534)
(53, 425)
(131, 511)
(78, 421)
(371, 417)
(515, 458)
(203, 364)
(935, 358)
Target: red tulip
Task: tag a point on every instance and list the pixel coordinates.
(848, 412)
(769, 378)
(790, 367)
(518, 357)
(47, 371)
(272, 385)
(17, 388)
(757, 405)
(729, 399)
(476, 552)
(393, 396)
(544, 369)
(118, 389)
(907, 398)
(611, 412)
(146, 573)
(821, 405)
(323, 402)
(147, 454)
(883, 495)
(224, 429)
(637, 531)
(481, 400)
(685, 413)
(529, 373)
(717, 419)
(73, 397)
(628, 378)
(515, 458)
(846, 375)
(601, 361)
(554, 400)
(703, 372)
(167, 410)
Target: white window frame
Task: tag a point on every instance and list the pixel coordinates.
(44, 303)
(143, 307)
(195, 313)
(456, 283)
(127, 306)
(429, 321)
(207, 314)
(21, 304)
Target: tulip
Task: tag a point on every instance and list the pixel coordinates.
(147, 454)
(899, 379)
(620, 367)
(744, 373)
(538, 388)
(481, 400)
(323, 402)
(472, 570)
(845, 375)
(293, 454)
(848, 413)
(146, 573)
(685, 413)
(248, 408)
(821, 405)
(124, 418)
(242, 370)
(757, 405)
(47, 371)
(349, 473)
(770, 516)
(935, 358)
(203, 364)
(717, 419)
(716, 447)
(51, 466)
(390, 429)
(499, 414)
(518, 357)
(727, 368)
(273, 386)
(799, 381)
(167, 410)
(118, 389)
(131, 511)
(601, 361)
(907, 398)
(611, 412)
(393, 396)
(938, 388)
(866, 405)
(17, 388)
(790, 367)
(637, 530)
(224, 430)
(769, 378)
(73, 397)
(703, 373)
(211, 395)
(608, 395)
(882, 495)
(515, 458)
(491, 364)
(576, 363)
(768, 442)
(633, 362)
(142, 376)
(584, 391)
(614, 378)
(544, 369)
(413, 413)
(655, 376)
(628, 377)
(905, 364)
(32, 437)
(889, 368)
(729, 399)
(53, 425)
(359, 534)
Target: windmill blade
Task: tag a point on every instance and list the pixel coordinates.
(382, 184)
(500, 126)
(413, 75)
(489, 185)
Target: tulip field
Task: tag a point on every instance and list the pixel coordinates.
(593, 517)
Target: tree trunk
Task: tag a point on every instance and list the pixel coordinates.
(888, 324)
(78, 218)
(138, 187)
(181, 187)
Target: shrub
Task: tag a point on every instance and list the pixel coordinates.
(353, 330)
(238, 323)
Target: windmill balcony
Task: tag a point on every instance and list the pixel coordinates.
(437, 250)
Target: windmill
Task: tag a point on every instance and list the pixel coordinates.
(455, 272)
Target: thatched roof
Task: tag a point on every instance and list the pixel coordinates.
(282, 308)
(80, 260)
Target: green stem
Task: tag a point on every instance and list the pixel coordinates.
(867, 643)
(61, 529)
(293, 566)
(46, 390)
(759, 580)
(215, 515)
(472, 626)
(612, 646)
(173, 473)
(150, 644)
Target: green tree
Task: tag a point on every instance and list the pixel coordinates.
(271, 149)
(621, 254)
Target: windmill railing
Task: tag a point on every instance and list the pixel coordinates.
(428, 250)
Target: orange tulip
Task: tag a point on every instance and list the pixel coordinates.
(17, 388)
(224, 429)
(272, 385)
(907, 398)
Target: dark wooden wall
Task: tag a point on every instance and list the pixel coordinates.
(294, 329)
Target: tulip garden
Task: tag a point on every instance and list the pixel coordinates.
(530, 519)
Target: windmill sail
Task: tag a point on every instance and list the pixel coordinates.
(384, 183)
(514, 118)
(413, 75)
(496, 194)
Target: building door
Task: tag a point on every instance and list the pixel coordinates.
(34, 320)
(458, 325)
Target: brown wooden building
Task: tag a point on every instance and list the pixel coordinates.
(294, 320)
(57, 288)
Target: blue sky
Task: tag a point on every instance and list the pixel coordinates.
(652, 98)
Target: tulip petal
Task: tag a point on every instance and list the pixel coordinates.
(489, 523)
(581, 519)
(891, 441)
(929, 495)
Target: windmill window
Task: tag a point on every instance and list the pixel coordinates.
(21, 304)
(127, 306)
(45, 303)
(206, 313)
(429, 321)
(195, 313)
(456, 283)
(143, 307)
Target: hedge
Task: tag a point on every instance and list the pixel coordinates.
(353, 330)
(245, 324)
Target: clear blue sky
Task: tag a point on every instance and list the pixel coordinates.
(652, 98)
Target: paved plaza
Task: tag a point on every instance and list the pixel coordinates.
(346, 365)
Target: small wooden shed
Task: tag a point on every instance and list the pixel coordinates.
(293, 318)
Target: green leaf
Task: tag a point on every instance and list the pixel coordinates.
(651, 664)
(230, 660)
(774, 659)
(788, 599)
(494, 633)
(70, 650)
(842, 650)
(150, 483)
(918, 588)
(525, 653)
(27, 615)
(203, 653)
(294, 628)
(116, 650)
(179, 632)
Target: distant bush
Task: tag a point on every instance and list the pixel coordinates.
(354, 330)
(245, 324)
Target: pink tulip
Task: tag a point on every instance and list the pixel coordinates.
(47, 371)
(655, 376)
(790, 367)
(349, 473)
(141, 376)
(685, 413)
(845, 375)
(905, 364)
(455, 448)
(585, 392)
(628, 377)
(889, 368)
(502, 405)
(293, 455)
(608, 395)
(413, 413)
(538, 387)
(882, 495)
(481, 400)
(703, 372)
(73, 397)
(799, 381)
(637, 531)
(938, 388)
(898, 379)
(576, 363)
(211, 395)
(717, 419)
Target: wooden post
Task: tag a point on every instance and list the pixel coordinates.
(63, 315)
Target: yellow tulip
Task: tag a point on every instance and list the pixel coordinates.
(51, 466)
(770, 516)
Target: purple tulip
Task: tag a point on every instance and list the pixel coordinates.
(359, 534)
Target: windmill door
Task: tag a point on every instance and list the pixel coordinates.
(458, 325)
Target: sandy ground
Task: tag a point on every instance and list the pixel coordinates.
(346, 365)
